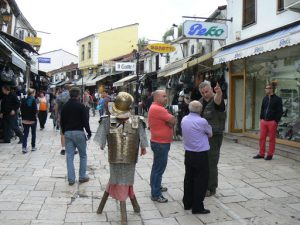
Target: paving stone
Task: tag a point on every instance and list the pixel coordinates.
(274, 192)
(16, 215)
(85, 217)
(169, 221)
(188, 220)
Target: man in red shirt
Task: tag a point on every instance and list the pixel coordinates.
(161, 124)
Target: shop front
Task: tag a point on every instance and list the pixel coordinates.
(275, 58)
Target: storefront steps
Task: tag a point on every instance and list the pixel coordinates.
(282, 150)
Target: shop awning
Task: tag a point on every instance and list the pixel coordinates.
(173, 68)
(83, 81)
(95, 80)
(200, 59)
(124, 80)
(279, 39)
(16, 59)
(34, 70)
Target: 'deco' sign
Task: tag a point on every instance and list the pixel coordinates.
(161, 48)
(204, 30)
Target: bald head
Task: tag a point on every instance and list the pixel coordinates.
(195, 107)
(160, 96)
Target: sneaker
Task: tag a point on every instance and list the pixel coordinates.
(71, 182)
(163, 189)
(63, 152)
(33, 149)
(160, 199)
(269, 157)
(258, 156)
(86, 179)
(20, 141)
(24, 150)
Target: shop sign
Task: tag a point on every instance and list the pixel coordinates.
(125, 66)
(44, 60)
(204, 30)
(34, 41)
(161, 48)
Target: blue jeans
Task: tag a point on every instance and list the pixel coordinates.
(75, 139)
(26, 132)
(160, 160)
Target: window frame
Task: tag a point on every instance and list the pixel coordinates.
(280, 5)
(90, 50)
(246, 9)
(82, 52)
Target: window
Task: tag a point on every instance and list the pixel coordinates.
(82, 52)
(90, 49)
(280, 5)
(249, 12)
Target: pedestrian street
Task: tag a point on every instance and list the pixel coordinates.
(34, 189)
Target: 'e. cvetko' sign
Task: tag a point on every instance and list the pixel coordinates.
(44, 60)
(204, 30)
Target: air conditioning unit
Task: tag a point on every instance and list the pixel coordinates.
(293, 5)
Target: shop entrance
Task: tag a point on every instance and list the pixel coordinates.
(237, 103)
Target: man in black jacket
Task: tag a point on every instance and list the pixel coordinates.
(73, 119)
(9, 108)
(270, 115)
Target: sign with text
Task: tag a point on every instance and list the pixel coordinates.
(44, 60)
(204, 30)
(125, 66)
(161, 48)
(34, 41)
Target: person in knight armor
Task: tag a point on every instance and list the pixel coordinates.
(124, 133)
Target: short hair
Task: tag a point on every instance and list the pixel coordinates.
(195, 106)
(204, 84)
(74, 92)
(6, 87)
(30, 91)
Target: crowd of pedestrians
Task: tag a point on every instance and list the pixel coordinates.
(202, 132)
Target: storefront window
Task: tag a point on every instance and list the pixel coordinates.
(282, 66)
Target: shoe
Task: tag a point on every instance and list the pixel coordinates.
(33, 149)
(24, 150)
(203, 211)
(86, 179)
(71, 182)
(269, 157)
(76, 152)
(20, 141)
(160, 199)
(41, 128)
(210, 193)
(258, 156)
(63, 152)
(163, 189)
(187, 208)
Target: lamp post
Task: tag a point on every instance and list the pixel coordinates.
(136, 55)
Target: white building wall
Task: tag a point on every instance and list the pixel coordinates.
(267, 18)
(59, 58)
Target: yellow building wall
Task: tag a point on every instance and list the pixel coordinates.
(86, 62)
(117, 42)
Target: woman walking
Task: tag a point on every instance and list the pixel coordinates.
(28, 112)
(43, 108)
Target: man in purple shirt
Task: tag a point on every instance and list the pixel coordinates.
(195, 133)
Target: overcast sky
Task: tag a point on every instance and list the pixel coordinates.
(71, 20)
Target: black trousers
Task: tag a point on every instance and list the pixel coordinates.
(42, 118)
(10, 124)
(195, 180)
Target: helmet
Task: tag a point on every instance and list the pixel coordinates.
(122, 104)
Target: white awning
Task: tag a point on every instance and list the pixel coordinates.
(34, 70)
(173, 68)
(280, 39)
(95, 80)
(124, 80)
(16, 59)
(83, 81)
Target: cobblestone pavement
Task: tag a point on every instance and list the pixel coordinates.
(34, 189)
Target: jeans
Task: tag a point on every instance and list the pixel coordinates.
(75, 139)
(267, 128)
(26, 132)
(160, 160)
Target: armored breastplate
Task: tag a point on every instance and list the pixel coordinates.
(123, 141)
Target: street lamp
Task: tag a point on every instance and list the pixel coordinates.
(6, 16)
(136, 55)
